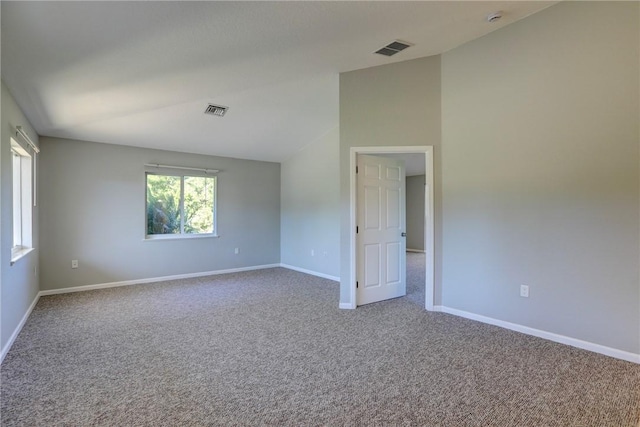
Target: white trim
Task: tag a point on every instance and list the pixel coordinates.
(161, 237)
(311, 272)
(20, 131)
(13, 337)
(19, 253)
(353, 162)
(562, 339)
(154, 279)
(415, 250)
(16, 332)
(427, 150)
(206, 171)
(429, 233)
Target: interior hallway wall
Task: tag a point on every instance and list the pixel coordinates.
(390, 105)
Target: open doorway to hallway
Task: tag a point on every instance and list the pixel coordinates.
(416, 263)
(424, 157)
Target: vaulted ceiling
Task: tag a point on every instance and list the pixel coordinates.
(142, 73)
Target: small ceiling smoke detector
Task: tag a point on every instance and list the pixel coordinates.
(495, 16)
(216, 110)
(393, 48)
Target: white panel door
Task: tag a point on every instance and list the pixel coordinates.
(380, 242)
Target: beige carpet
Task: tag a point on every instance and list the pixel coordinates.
(271, 348)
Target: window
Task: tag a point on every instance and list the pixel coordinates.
(21, 202)
(180, 206)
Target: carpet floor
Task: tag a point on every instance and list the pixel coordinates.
(271, 347)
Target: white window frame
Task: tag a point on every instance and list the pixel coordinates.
(22, 178)
(182, 234)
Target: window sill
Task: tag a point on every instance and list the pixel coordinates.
(19, 254)
(161, 237)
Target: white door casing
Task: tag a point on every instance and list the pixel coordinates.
(350, 281)
(381, 243)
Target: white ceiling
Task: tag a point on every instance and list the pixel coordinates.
(142, 73)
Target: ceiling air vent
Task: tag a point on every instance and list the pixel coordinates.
(393, 48)
(216, 110)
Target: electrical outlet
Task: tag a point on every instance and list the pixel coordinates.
(74, 263)
(524, 291)
(237, 251)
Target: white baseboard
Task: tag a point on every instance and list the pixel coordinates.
(15, 333)
(342, 305)
(154, 279)
(311, 272)
(13, 337)
(585, 345)
(562, 339)
(415, 250)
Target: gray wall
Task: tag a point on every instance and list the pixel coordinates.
(93, 210)
(310, 218)
(540, 173)
(537, 175)
(19, 283)
(415, 212)
(390, 105)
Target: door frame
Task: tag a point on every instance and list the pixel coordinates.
(429, 226)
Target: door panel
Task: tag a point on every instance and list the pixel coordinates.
(393, 173)
(393, 263)
(393, 209)
(380, 246)
(372, 171)
(372, 260)
(371, 211)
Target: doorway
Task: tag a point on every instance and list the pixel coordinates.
(427, 153)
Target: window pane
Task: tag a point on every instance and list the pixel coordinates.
(198, 204)
(163, 204)
(17, 200)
